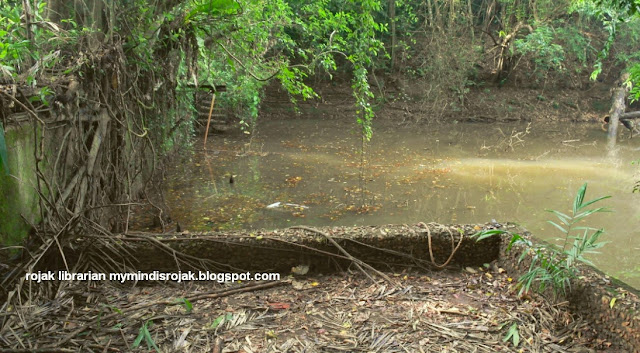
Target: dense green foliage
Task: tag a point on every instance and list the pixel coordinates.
(289, 41)
(620, 18)
(449, 46)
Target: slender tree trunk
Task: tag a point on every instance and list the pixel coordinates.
(96, 21)
(392, 18)
(534, 10)
(617, 108)
(452, 14)
(56, 11)
(28, 20)
(430, 14)
(490, 15)
(471, 19)
(438, 18)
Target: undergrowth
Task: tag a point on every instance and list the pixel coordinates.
(553, 266)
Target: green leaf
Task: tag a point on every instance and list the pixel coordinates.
(217, 321)
(513, 335)
(517, 239)
(221, 319)
(213, 8)
(557, 226)
(484, 234)
(565, 219)
(138, 340)
(594, 201)
(150, 342)
(586, 213)
(577, 203)
(586, 261)
(186, 303)
(144, 334)
(232, 64)
(115, 309)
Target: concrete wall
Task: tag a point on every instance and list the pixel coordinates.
(18, 197)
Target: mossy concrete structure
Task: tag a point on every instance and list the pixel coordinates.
(18, 195)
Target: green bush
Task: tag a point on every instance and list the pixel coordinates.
(540, 47)
(553, 266)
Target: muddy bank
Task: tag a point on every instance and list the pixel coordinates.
(405, 101)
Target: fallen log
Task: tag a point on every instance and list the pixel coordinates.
(630, 115)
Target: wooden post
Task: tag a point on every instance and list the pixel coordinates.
(206, 133)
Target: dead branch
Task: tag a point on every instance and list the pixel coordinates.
(454, 249)
(357, 262)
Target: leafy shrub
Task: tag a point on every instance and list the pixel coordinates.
(554, 266)
(540, 47)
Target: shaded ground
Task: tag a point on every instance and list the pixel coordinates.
(469, 311)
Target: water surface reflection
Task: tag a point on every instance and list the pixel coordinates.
(456, 173)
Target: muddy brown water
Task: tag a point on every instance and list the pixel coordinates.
(446, 173)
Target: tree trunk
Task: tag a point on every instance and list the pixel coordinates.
(430, 14)
(57, 11)
(452, 14)
(630, 115)
(392, 18)
(617, 109)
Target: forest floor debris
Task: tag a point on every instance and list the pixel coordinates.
(473, 310)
